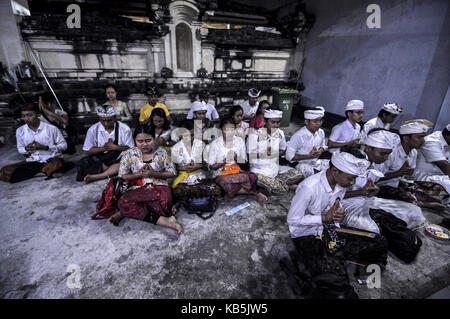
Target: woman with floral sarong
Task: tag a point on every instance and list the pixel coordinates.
(188, 155)
(223, 156)
(146, 168)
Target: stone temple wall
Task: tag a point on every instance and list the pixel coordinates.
(177, 53)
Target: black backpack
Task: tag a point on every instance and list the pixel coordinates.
(402, 241)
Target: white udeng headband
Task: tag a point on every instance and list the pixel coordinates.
(199, 106)
(415, 127)
(273, 114)
(382, 139)
(354, 105)
(314, 114)
(105, 111)
(254, 93)
(393, 108)
(350, 164)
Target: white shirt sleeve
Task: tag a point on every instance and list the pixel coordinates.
(20, 142)
(283, 144)
(91, 140)
(302, 199)
(127, 139)
(58, 143)
(214, 113)
(292, 146)
(432, 152)
(324, 144)
(335, 133)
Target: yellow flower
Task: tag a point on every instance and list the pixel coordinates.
(331, 244)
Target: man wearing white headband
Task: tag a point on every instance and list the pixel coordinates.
(265, 146)
(308, 144)
(367, 212)
(386, 116)
(211, 112)
(401, 164)
(250, 106)
(403, 158)
(315, 211)
(104, 142)
(433, 159)
(347, 132)
(200, 110)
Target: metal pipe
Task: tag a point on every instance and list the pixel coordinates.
(42, 71)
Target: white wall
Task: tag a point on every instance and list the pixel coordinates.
(405, 61)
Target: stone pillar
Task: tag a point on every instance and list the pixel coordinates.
(11, 46)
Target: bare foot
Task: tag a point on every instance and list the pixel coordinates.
(293, 187)
(262, 199)
(40, 174)
(172, 223)
(115, 219)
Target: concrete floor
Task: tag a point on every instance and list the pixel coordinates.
(46, 228)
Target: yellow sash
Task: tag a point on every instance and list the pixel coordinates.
(183, 175)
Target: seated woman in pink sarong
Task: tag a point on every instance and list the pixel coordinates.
(146, 167)
(223, 156)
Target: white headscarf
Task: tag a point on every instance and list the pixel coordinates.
(448, 127)
(105, 111)
(415, 127)
(350, 164)
(354, 105)
(393, 108)
(382, 139)
(314, 114)
(253, 92)
(273, 114)
(199, 106)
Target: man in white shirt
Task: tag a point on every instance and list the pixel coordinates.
(211, 112)
(265, 146)
(315, 211)
(386, 116)
(250, 106)
(349, 131)
(401, 164)
(370, 213)
(104, 143)
(433, 159)
(307, 144)
(42, 145)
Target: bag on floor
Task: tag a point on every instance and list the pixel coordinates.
(107, 204)
(402, 241)
(201, 205)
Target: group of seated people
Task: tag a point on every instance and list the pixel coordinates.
(359, 178)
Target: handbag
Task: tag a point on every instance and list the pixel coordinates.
(201, 205)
